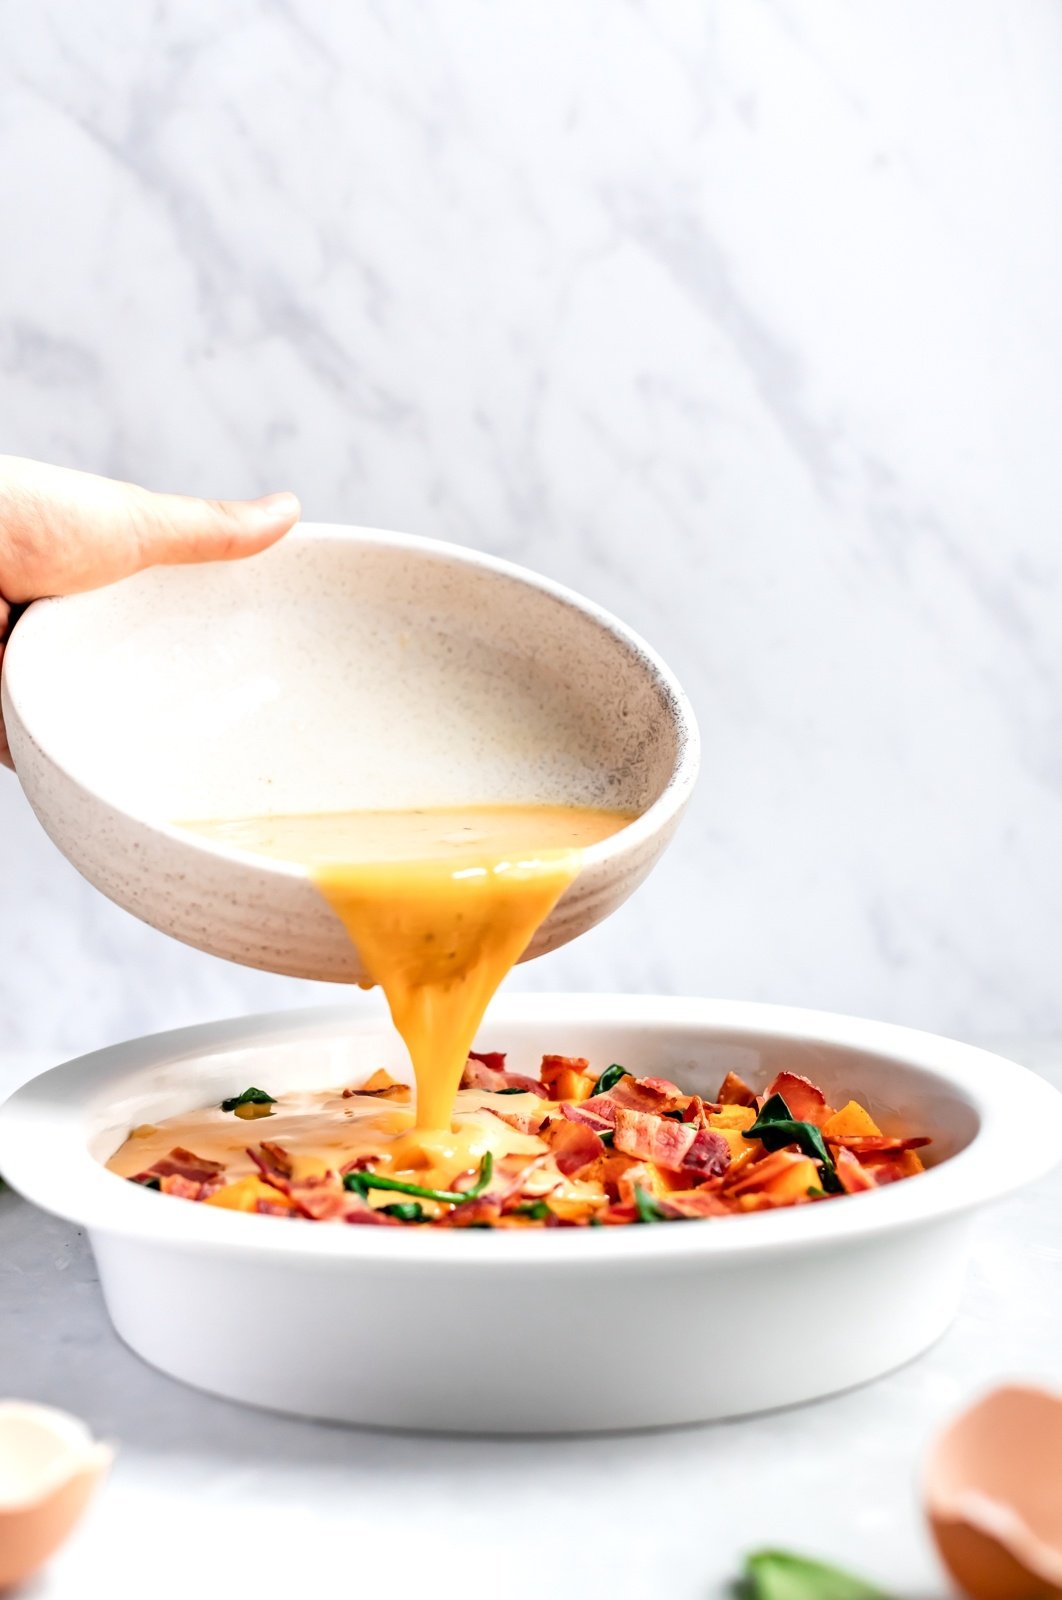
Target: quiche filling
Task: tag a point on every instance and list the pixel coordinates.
(571, 1147)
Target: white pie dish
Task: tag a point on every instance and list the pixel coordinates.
(344, 669)
(533, 1332)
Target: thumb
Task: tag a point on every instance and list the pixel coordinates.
(176, 528)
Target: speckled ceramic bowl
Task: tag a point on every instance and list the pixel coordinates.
(345, 668)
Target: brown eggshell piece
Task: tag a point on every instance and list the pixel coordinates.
(49, 1468)
(993, 1496)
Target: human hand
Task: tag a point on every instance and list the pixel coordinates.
(62, 532)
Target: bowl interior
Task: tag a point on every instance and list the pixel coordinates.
(899, 1094)
(343, 669)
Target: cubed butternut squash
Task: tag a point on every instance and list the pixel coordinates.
(852, 1121)
(244, 1195)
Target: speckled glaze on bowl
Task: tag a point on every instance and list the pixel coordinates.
(563, 1329)
(346, 668)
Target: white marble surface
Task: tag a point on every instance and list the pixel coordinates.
(743, 316)
(211, 1498)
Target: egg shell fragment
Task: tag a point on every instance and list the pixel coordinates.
(49, 1468)
(993, 1496)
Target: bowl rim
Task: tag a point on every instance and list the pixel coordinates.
(664, 810)
(44, 1150)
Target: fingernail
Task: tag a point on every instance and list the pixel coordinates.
(278, 508)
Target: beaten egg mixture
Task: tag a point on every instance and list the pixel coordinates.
(441, 904)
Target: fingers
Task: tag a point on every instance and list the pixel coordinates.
(62, 532)
(178, 528)
(5, 753)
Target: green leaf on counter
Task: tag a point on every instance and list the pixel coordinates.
(780, 1575)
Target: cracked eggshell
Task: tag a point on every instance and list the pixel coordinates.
(993, 1496)
(49, 1467)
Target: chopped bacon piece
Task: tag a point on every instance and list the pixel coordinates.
(709, 1154)
(852, 1174)
(181, 1163)
(573, 1145)
(760, 1174)
(653, 1095)
(359, 1164)
(494, 1059)
(677, 1146)
(598, 1120)
(703, 1202)
(176, 1183)
(805, 1100)
(652, 1138)
(877, 1144)
(638, 1093)
(272, 1160)
(323, 1199)
(696, 1111)
(661, 1085)
(472, 1213)
(522, 1121)
(361, 1214)
(734, 1091)
(891, 1165)
(272, 1208)
(478, 1074)
(515, 1174)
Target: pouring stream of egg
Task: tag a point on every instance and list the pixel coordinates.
(441, 904)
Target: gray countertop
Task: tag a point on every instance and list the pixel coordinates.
(209, 1498)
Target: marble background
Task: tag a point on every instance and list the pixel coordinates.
(743, 317)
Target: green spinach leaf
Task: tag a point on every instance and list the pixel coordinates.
(405, 1211)
(609, 1079)
(776, 1127)
(362, 1182)
(249, 1097)
(648, 1210)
